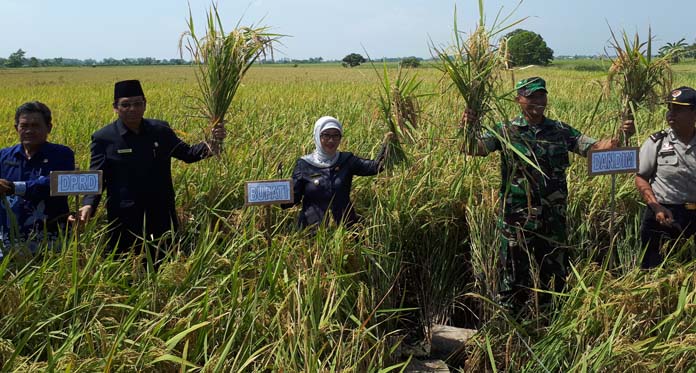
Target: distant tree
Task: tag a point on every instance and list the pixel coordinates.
(58, 61)
(410, 62)
(33, 62)
(675, 50)
(16, 59)
(353, 60)
(528, 48)
(690, 51)
(109, 61)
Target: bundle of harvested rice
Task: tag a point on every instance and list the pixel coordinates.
(221, 61)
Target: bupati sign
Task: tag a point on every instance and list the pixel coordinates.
(65, 183)
(614, 161)
(268, 192)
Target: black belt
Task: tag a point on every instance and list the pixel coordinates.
(691, 206)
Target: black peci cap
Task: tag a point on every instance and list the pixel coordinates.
(127, 88)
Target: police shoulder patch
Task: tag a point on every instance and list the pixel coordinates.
(659, 135)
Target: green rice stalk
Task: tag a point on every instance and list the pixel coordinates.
(641, 79)
(221, 61)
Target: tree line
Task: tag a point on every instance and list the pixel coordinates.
(19, 59)
(524, 47)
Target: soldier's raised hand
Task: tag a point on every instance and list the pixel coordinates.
(628, 127)
(469, 117)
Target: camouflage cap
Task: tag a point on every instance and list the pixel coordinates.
(685, 96)
(526, 87)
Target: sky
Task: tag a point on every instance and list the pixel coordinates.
(325, 28)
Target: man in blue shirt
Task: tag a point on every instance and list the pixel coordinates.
(25, 182)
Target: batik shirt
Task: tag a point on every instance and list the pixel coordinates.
(33, 211)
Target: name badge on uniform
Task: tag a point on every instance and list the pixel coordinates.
(666, 151)
(11, 163)
(124, 151)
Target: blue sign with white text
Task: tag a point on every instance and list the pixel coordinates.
(614, 161)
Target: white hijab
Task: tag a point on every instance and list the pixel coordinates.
(319, 158)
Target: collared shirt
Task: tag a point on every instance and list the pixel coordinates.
(32, 207)
(525, 190)
(670, 167)
(137, 174)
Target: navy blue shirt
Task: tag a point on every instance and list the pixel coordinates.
(32, 206)
(328, 188)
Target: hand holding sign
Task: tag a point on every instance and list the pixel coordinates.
(6, 187)
(83, 215)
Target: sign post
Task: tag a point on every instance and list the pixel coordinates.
(612, 162)
(76, 183)
(267, 193)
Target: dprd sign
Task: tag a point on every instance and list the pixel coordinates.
(66, 183)
(268, 192)
(613, 161)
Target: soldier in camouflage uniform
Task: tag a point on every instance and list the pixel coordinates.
(534, 193)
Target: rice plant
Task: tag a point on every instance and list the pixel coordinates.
(221, 61)
(400, 110)
(224, 301)
(642, 80)
(475, 66)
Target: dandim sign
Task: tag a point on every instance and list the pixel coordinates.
(614, 161)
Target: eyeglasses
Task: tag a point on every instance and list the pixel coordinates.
(128, 105)
(326, 136)
(23, 127)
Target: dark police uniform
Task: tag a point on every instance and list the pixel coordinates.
(37, 215)
(670, 167)
(137, 177)
(322, 189)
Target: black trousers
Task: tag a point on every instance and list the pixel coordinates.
(123, 242)
(653, 235)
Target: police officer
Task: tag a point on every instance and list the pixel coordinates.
(534, 196)
(666, 177)
(135, 154)
(34, 216)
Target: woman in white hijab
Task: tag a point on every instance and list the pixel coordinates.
(323, 179)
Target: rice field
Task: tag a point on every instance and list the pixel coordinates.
(341, 300)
